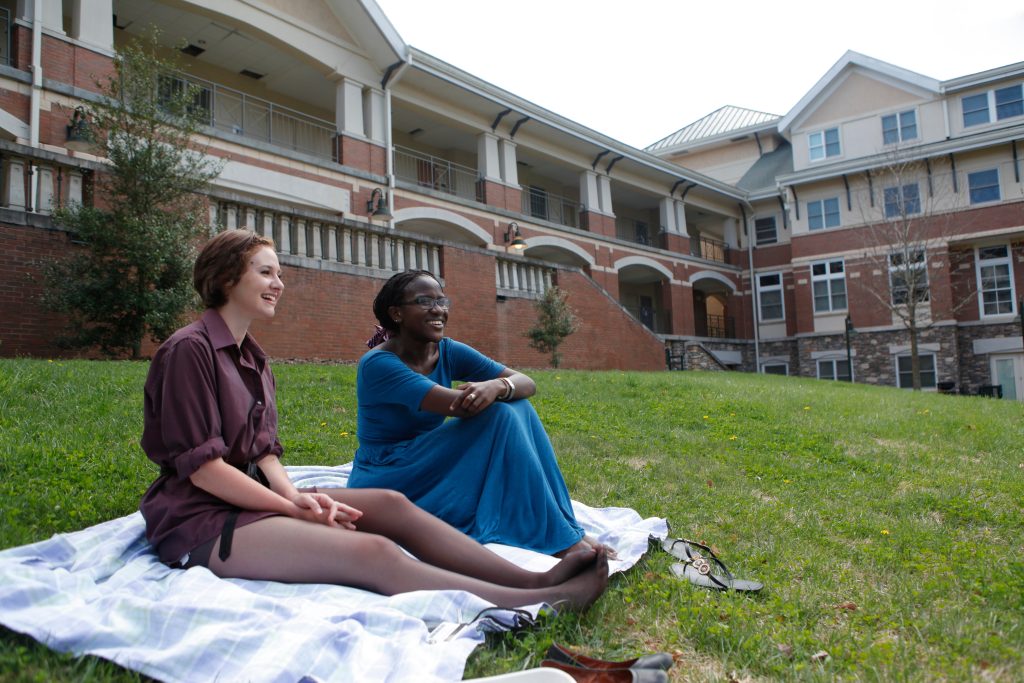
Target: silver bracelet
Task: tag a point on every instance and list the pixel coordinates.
(510, 391)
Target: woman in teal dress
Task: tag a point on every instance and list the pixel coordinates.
(489, 471)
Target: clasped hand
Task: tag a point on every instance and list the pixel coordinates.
(475, 396)
(322, 509)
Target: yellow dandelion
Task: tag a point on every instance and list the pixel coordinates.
(705, 417)
(323, 424)
(807, 407)
(733, 437)
(342, 433)
(785, 481)
(885, 532)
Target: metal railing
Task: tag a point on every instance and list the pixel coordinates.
(522, 279)
(655, 320)
(711, 249)
(721, 326)
(251, 117)
(633, 230)
(329, 241)
(551, 207)
(436, 173)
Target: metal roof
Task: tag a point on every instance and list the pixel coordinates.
(719, 122)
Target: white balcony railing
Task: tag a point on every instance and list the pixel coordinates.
(517, 278)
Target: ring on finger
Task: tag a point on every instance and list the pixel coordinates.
(472, 397)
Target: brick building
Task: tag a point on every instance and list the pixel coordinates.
(321, 112)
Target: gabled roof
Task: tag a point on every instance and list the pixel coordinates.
(727, 119)
(852, 60)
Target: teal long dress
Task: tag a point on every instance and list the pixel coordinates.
(492, 476)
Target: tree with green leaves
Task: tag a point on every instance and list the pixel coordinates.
(555, 321)
(131, 276)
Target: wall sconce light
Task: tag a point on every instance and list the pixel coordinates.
(80, 137)
(377, 206)
(513, 237)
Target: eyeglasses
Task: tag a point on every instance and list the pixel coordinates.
(428, 302)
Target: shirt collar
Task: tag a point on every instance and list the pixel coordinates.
(221, 337)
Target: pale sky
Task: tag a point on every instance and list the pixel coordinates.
(639, 70)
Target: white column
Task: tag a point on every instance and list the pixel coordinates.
(729, 230)
(424, 263)
(589, 196)
(250, 218)
(214, 210)
(268, 224)
(667, 215)
(389, 254)
(332, 243)
(360, 238)
(231, 217)
(44, 190)
(348, 107)
(400, 244)
(346, 245)
(14, 188)
(373, 114)
(53, 14)
(680, 208)
(507, 159)
(435, 260)
(90, 23)
(604, 188)
(497, 273)
(373, 258)
(285, 227)
(318, 241)
(301, 247)
(514, 283)
(487, 164)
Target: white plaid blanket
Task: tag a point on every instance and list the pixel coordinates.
(102, 591)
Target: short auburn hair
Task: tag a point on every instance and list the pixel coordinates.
(222, 262)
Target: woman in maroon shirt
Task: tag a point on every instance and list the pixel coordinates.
(224, 501)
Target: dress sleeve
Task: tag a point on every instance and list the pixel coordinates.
(384, 378)
(189, 411)
(469, 365)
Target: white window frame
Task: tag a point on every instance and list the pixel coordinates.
(971, 189)
(775, 364)
(909, 373)
(761, 289)
(920, 263)
(775, 231)
(991, 108)
(822, 144)
(829, 277)
(824, 214)
(900, 205)
(900, 126)
(995, 262)
(834, 362)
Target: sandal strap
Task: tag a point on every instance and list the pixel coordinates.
(701, 564)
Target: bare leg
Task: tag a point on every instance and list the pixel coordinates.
(390, 514)
(294, 551)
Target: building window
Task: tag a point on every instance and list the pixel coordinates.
(823, 213)
(824, 144)
(828, 280)
(838, 370)
(769, 297)
(899, 127)
(983, 186)
(908, 276)
(902, 200)
(905, 377)
(765, 231)
(999, 104)
(1009, 102)
(995, 281)
(538, 202)
(775, 368)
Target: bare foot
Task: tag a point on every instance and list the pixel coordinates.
(571, 565)
(582, 590)
(576, 547)
(597, 545)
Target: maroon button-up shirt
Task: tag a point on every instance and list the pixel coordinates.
(205, 398)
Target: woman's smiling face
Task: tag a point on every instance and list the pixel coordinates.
(414, 319)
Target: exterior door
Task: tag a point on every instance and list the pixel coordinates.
(1008, 371)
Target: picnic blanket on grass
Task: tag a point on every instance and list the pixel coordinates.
(102, 591)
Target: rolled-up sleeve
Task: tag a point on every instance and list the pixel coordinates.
(190, 419)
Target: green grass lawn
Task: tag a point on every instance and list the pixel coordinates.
(887, 526)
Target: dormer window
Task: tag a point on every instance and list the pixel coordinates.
(993, 105)
(824, 144)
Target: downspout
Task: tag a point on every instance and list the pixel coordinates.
(37, 90)
(395, 70)
(753, 288)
